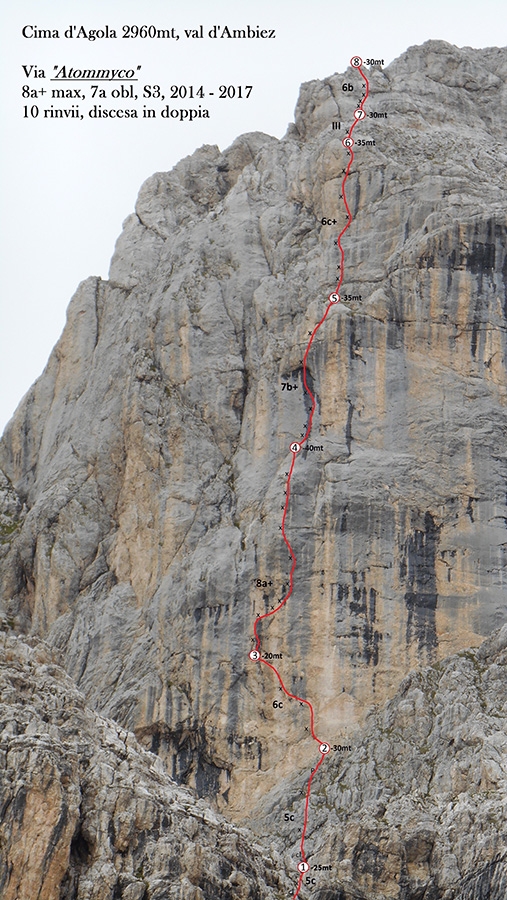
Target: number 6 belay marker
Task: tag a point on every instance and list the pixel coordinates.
(295, 448)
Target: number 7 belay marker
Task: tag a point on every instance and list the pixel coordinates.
(295, 448)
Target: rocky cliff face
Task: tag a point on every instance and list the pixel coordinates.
(87, 814)
(416, 808)
(145, 470)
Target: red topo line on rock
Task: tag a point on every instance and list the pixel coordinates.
(295, 448)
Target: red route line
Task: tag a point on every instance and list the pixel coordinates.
(258, 657)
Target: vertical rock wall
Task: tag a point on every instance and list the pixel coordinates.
(144, 471)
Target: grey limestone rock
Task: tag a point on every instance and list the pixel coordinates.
(87, 814)
(416, 806)
(145, 469)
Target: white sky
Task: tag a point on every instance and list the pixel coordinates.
(68, 185)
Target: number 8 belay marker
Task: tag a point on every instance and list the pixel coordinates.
(295, 448)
